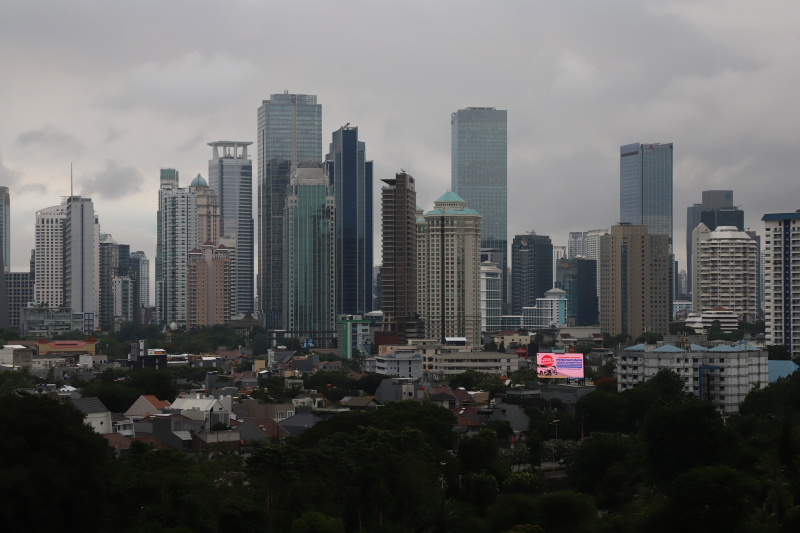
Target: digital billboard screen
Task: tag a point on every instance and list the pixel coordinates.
(559, 365)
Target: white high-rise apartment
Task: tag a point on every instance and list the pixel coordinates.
(82, 261)
(48, 288)
(449, 301)
(177, 236)
(781, 269)
(725, 265)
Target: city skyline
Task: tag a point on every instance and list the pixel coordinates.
(721, 76)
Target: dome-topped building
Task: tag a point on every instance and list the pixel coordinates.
(199, 181)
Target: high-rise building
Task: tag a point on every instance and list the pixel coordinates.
(578, 278)
(310, 257)
(109, 264)
(716, 209)
(141, 265)
(645, 191)
(491, 297)
(575, 244)
(449, 294)
(177, 235)
(725, 271)
(208, 280)
(82, 261)
(350, 175)
(124, 292)
(230, 175)
(559, 253)
(634, 281)
(782, 283)
(19, 292)
(5, 228)
(398, 273)
(479, 175)
(48, 288)
(531, 269)
(208, 220)
(289, 131)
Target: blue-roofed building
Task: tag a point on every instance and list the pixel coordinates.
(781, 369)
(724, 374)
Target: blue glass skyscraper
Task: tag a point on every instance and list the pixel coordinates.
(350, 175)
(289, 131)
(479, 174)
(645, 187)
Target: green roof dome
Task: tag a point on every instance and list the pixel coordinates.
(199, 181)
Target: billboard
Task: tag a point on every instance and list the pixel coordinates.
(559, 365)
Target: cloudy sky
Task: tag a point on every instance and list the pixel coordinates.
(122, 89)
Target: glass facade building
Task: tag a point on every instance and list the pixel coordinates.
(350, 175)
(578, 278)
(479, 174)
(5, 228)
(645, 191)
(289, 131)
(310, 259)
(531, 269)
(230, 176)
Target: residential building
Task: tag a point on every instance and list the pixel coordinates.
(140, 265)
(399, 362)
(350, 176)
(575, 244)
(124, 297)
(48, 288)
(208, 218)
(353, 333)
(634, 281)
(177, 235)
(702, 323)
(531, 269)
(289, 131)
(559, 253)
(5, 229)
(782, 283)
(230, 176)
(716, 209)
(46, 322)
(208, 286)
(723, 375)
(441, 361)
(81, 261)
(19, 292)
(548, 312)
(449, 265)
(109, 265)
(398, 272)
(309, 257)
(725, 274)
(491, 296)
(479, 175)
(578, 278)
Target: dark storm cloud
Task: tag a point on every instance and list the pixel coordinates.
(50, 138)
(113, 182)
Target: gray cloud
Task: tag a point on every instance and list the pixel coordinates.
(114, 182)
(50, 138)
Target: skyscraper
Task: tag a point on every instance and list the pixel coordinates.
(449, 294)
(208, 220)
(782, 283)
(479, 175)
(310, 257)
(48, 288)
(5, 228)
(634, 281)
(230, 176)
(109, 268)
(531, 269)
(141, 265)
(399, 263)
(177, 235)
(714, 202)
(81, 261)
(350, 175)
(208, 280)
(645, 187)
(289, 131)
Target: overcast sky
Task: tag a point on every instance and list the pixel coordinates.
(122, 89)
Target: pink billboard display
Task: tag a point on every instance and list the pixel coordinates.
(559, 365)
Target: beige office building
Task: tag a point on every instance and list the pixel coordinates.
(634, 281)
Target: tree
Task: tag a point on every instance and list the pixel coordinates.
(650, 337)
(778, 352)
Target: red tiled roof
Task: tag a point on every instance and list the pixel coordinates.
(155, 402)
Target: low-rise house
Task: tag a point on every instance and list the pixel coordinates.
(251, 408)
(443, 396)
(297, 424)
(359, 403)
(122, 424)
(95, 413)
(146, 405)
(208, 410)
(261, 429)
(203, 441)
(395, 390)
(16, 356)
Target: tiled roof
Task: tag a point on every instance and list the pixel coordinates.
(155, 402)
(88, 405)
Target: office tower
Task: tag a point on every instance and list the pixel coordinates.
(109, 268)
(645, 191)
(531, 269)
(4, 309)
(559, 253)
(289, 131)
(449, 294)
(81, 261)
(177, 235)
(782, 282)
(398, 271)
(48, 288)
(634, 281)
(716, 209)
(578, 278)
(310, 257)
(350, 175)
(725, 271)
(491, 297)
(5, 228)
(208, 280)
(479, 175)
(139, 259)
(208, 219)
(19, 292)
(230, 175)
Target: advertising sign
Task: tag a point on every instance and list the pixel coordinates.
(559, 365)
